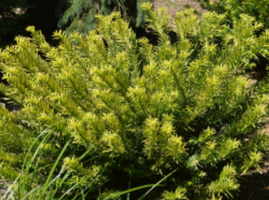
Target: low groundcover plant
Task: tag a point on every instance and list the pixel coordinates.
(182, 114)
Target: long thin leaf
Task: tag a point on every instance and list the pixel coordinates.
(73, 187)
(23, 179)
(130, 190)
(155, 185)
(46, 185)
(9, 189)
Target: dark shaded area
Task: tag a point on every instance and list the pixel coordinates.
(151, 36)
(11, 20)
(260, 71)
(254, 186)
(43, 14)
(16, 15)
(141, 32)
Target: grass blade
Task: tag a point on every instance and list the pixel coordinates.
(9, 188)
(131, 190)
(46, 185)
(155, 185)
(23, 179)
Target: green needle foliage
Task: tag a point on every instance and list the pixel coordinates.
(28, 186)
(233, 8)
(132, 115)
(80, 16)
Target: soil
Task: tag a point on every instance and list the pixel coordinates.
(255, 186)
(174, 6)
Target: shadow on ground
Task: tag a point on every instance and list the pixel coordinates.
(254, 186)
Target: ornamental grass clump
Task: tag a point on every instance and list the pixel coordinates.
(183, 116)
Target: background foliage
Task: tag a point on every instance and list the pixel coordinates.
(80, 16)
(50, 15)
(10, 22)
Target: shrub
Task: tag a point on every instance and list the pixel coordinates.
(183, 114)
(80, 16)
(233, 8)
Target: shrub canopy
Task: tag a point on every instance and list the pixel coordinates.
(234, 8)
(141, 111)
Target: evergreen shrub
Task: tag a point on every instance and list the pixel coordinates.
(80, 16)
(183, 116)
(259, 9)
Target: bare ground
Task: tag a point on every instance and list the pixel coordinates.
(174, 6)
